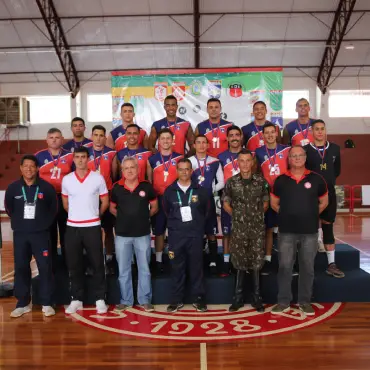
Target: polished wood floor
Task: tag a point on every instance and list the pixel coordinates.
(35, 342)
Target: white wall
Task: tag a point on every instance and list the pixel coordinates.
(319, 103)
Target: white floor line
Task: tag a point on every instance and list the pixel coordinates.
(203, 356)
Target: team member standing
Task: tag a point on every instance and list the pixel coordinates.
(246, 198)
(229, 163)
(186, 205)
(207, 172)
(78, 128)
(299, 131)
(31, 205)
(214, 128)
(181, 129)
(117, 138)
(299, 197)
(102, 159)
(273, 160)
(161, 172)
(55, 163)
(323, 157)
(133, 202)
(253, 132)
(133, 149)
(81, 191)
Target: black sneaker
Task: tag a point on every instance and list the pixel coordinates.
(267, 268)
(226, 269)
(200, 306)
(174, 307)
(212, 268)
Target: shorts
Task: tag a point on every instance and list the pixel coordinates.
(225, 222)
(330, 212)
(211, 227)
(107, 220)
(271, 218)
(159, 220)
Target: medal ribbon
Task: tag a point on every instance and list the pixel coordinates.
(272, 161)
(166, 168)
(305, 135)
(201, 169)
(322, 156)
(234, 163)
(175, 125)
(258, 132)
(213, 130)
(57, 160)
(97, 166)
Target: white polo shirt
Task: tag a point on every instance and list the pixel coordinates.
(83, 198)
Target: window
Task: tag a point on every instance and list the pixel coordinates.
(99, 107)
(349, 103)
(50, 109)
(290, 98)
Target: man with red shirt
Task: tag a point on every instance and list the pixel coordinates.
(252, 133)
(299, 131)
(162, 172)
(78, 128)
(273, 160)
(181, 129)
(102, 159)
(214, 128)
(117, 138)
(133, 149)
(55, 163)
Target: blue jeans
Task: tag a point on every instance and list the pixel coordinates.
(124, 258)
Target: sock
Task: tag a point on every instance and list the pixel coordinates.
(268, 258)
(109, 257)
(158, 256)
(212, 264)
(320, 234)
(227, 258)
(331, 256)
(276, 229)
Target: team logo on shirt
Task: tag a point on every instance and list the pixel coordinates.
(236, 90)
(160, 90)
(162, 127)
(142, 193)
(173, 162)
(158, 164)
(214, 89)
(196, 87)
(105, 157)
(63, 161)
(139, 157)
(222, 129)
(46, 161)
(120, 134)
(178, 90)
(228, 160)
(40, 195)
(307, 185)
(91, 157)
(280, 155)
(194, 198)
(72, 150)
(171, 255)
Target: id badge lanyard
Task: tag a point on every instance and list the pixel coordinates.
(25, 196)
(179, 197)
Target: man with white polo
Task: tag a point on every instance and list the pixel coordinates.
(81, 192)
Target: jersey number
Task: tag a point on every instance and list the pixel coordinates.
(55, 173)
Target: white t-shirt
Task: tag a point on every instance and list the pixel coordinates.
(83, 198)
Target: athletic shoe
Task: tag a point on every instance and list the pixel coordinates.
(19, 311)
(295, 272)
(200, 306)
(334, 271)
(307, 309)
(73, 307)
(172, 308)
(226, 269)
(122, 307)
(267, 268)
(279, 309)
(48, 311)
(320, 246)
(212, 268)
(148, 307)
(101, 307)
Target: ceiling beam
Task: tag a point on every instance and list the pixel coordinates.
(56, 33)
(298, 12)
(337, 32)
(196, 16)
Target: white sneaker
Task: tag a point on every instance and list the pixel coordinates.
(48, 311)
(19, 311)
(73, 307)
(321, 246)
(101, 307)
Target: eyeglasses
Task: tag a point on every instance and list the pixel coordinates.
(298, 156)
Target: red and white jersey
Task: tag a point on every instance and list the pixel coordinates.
(141, 154)
(229, 163)
(120, 140)
(253, 135)
(300, 134)
(53, 168)
(83, 198)
(164, 170)
(273, 162)
(101, 161)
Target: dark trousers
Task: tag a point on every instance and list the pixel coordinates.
(76, 240)
(186, 257)
(26, 245)
(59, 224)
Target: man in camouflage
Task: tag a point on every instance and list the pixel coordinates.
(246, 199)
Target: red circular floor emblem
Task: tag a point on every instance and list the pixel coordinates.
(216, 324)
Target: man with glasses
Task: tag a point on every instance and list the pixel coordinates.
(299, 196)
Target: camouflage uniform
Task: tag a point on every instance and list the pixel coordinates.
(246, 197)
